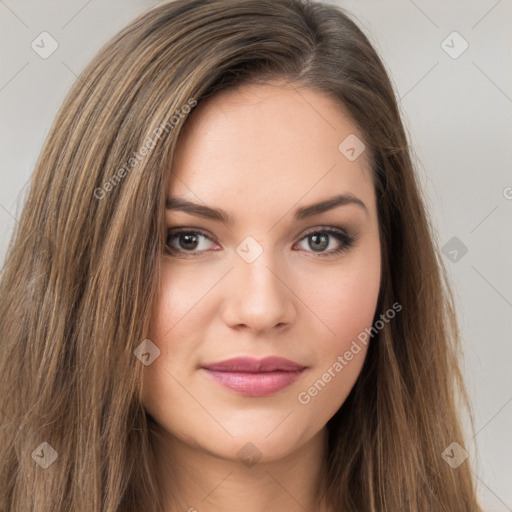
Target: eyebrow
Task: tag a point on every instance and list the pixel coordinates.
(220, 215)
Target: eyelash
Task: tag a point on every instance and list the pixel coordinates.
(348, 241)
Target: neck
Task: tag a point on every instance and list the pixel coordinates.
(192, 478)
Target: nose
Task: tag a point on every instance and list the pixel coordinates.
(259, 297)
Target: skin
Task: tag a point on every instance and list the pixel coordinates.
(259, 152)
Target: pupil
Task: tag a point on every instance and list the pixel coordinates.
(316, 238)
(189, 239)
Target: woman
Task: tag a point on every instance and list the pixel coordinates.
(223, 292)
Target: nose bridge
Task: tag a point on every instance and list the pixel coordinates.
(260, 278)
(260, 299)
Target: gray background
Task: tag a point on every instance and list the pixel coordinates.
(457, 112)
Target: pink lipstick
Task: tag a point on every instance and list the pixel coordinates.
(255, 377)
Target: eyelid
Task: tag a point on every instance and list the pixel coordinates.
(199, 231)
(207, 234)
(350, 237)
(329, 228)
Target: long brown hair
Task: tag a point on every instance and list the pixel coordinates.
(82, 269)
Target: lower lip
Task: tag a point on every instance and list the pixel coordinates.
(255, 384)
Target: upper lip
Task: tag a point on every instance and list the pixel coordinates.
(252, 365)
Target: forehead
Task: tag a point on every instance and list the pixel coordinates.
(267, 144)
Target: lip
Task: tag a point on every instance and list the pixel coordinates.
(252, 365)
(255, 377)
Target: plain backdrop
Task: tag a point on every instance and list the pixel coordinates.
(455, 95)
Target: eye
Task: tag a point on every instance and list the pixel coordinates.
(319, 240)
(184, 243)
(187, 241)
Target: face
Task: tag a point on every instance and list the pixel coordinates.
(274, 279)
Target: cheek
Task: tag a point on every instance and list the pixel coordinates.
(172, 323)
(179, 313)
(182, 289)
(348, 309)
(345, 301)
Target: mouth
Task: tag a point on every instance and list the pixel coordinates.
(252, 377)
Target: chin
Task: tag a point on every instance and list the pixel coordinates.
(261, 445)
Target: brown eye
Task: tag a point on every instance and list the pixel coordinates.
(187, 242)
